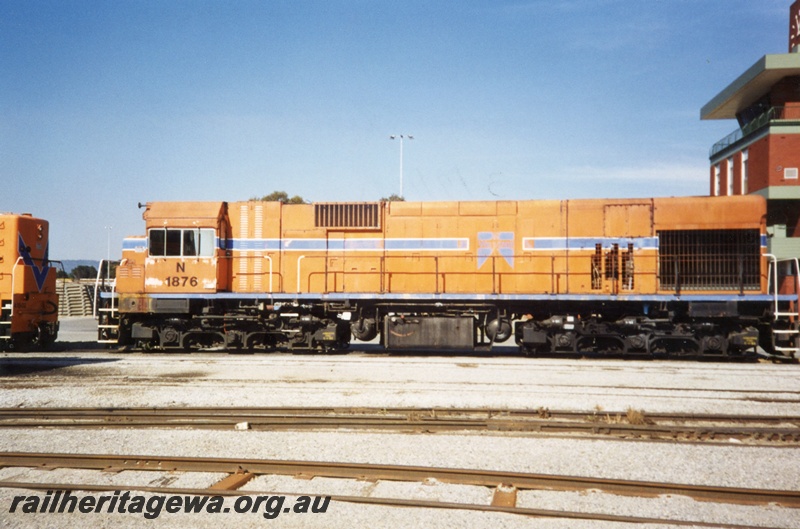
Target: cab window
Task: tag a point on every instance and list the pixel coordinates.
(178, 242)
(173, 243)
(156, 242)
(207, 239)
(189, 246)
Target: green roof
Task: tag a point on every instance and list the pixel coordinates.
(751, 85)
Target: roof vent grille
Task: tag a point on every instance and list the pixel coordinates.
(360, 215)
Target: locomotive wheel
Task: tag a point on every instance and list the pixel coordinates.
(715, 345)
(498, 330)
(365, 329)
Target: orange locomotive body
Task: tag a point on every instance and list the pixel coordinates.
(28, 298)
(632, 276)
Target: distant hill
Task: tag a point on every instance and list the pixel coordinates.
(70, 264)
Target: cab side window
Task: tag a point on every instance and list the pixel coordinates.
(157, 242)
(176, 242)
(173, 243)
(189, 247)
(207, 238)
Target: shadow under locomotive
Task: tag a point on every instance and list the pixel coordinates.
(35, 365)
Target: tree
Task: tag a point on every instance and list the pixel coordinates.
(83, 272)
(282, 197)
(393, 198)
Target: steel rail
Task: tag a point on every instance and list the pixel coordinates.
(402, 420)
(543, 427)
(384, 502)
(365, 471)
(431, 411)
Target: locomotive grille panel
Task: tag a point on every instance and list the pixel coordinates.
(709, 259)
(347, 216)
(130, 271)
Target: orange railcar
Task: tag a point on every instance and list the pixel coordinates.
(28, 297)
(634, 275)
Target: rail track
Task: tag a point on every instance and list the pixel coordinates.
(628, 424)
(240, 471)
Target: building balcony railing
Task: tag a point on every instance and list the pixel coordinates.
(779, 113)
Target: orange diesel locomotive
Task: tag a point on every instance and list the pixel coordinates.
(28, 298)
(661, 275)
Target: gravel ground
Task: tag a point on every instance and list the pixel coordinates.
(711, 464)
(99, 378)
(380, 380)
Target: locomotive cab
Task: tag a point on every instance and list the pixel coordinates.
(165, 275)
(186, 248)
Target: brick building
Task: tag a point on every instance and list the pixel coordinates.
(762, 156)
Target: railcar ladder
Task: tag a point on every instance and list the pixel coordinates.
(792, 316)
(107, 317)
(6, 312)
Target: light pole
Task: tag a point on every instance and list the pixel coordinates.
(401, 136)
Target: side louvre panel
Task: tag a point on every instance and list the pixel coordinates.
(360, 215)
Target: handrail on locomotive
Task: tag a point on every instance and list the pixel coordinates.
(773, 277)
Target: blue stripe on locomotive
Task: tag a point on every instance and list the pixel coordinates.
(528, 244)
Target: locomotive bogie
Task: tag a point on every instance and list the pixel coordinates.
(232, 324)
(670, 333)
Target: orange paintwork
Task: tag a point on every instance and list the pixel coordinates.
(709, 213)
(250, 271)
(506, 247)
(186, 274)
(33, 288)
(184, 214)
(130, 272)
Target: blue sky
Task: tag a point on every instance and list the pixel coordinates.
(105, 104)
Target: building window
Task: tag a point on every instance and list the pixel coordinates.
(744, 189)
(716, 180)
(730, 177)
(790, 173)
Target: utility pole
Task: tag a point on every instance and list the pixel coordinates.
(401, 137)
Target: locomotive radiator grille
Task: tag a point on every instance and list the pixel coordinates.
(709, 259)
(358, 215)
